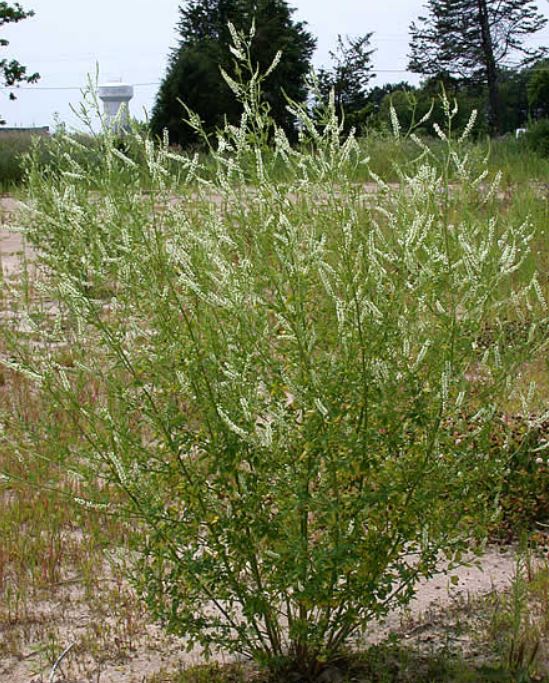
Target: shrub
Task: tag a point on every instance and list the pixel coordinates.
(525, 493)
(13, 147)
(537, 137)
(274, 374)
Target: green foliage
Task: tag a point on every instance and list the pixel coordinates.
(520, 621)
(212, 673)
(519, 166)
(525, 494)
(273, 373)
(13, 147)
(12, 72)
(475, 39)
(416, 109)
(515, 104)
(538, 89)
(513, 98)
(450, 38)
(401, 663)
(194, 75)
(349, 77)
(537, 137)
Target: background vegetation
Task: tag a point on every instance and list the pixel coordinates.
(194, 75)
(13, 72)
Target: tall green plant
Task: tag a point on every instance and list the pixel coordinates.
(283, 378)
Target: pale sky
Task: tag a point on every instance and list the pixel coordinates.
(131, 39)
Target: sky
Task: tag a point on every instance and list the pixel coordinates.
(130, 40)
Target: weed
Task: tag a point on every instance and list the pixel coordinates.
(286, 391)
(519, 622)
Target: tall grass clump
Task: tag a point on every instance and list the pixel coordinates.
(283, 379)
(13, 147)
(537, 137)
(519, 160)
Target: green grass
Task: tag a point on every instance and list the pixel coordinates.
(13, 147)
(519, 164)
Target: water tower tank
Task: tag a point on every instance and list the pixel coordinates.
(116, 98)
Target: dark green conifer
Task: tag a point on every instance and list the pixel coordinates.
(475, 39)
(194, 71)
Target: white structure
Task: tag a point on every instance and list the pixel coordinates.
(116, 99)
(520, 132)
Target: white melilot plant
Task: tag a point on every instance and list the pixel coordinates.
(278, 370)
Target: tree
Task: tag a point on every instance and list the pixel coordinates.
(538, 89)
(12, 72)
(513, 96)
(474, 39)
(377, 94)
(194, 73)
(350, 74)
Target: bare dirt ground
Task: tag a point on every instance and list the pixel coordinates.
(106, 648)
(12, 245)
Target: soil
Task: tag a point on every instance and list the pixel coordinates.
(149, 651)
(12, 244)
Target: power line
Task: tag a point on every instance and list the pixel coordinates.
(69, 87)
(151, 83)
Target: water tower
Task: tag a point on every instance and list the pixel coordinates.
(116, 98)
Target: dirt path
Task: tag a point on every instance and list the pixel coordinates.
(12, 244)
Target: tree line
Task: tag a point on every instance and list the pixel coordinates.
(476, 49)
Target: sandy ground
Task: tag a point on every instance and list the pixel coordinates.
(493, 571)
(12, 245)
(152, 652)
